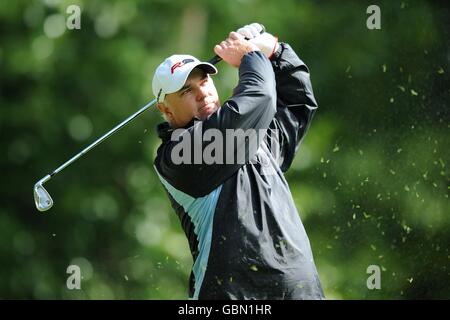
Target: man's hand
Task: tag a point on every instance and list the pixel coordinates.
(232, 49)
(266, 42)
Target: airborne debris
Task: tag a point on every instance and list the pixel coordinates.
(406, 228)
(336, 148)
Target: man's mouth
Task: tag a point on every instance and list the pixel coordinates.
(206, 106)
(205, 110)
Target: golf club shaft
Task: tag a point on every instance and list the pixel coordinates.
(102, 138)
(216, 59)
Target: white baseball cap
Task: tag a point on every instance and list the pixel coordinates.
(171, 75)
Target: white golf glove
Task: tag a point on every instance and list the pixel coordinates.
(266, 42)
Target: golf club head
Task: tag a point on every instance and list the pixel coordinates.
(42, 198)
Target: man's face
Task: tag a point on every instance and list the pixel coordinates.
(198, 98)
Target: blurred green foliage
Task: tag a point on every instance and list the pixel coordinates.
(371, 180)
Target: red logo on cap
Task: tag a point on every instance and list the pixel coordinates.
(180, 63)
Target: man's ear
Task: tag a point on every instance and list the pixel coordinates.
(163, 108)
(166, 113)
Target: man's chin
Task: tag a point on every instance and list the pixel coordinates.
(206, 111)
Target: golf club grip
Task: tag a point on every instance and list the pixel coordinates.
(216, 59)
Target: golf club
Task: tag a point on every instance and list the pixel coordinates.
(42, 198)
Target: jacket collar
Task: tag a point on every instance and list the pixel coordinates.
(164, 129)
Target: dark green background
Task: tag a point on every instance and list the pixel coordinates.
(370, 181)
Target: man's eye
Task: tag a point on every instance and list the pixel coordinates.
(185, 91)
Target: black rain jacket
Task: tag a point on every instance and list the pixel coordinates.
(245, 234)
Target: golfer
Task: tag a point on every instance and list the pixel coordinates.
(245, 235)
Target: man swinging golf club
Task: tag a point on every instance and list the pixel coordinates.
(245, 235)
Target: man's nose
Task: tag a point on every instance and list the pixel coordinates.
(202, 92)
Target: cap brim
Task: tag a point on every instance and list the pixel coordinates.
(207, 67)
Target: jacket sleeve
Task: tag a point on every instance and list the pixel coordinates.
(252, 106)
(296, 104)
